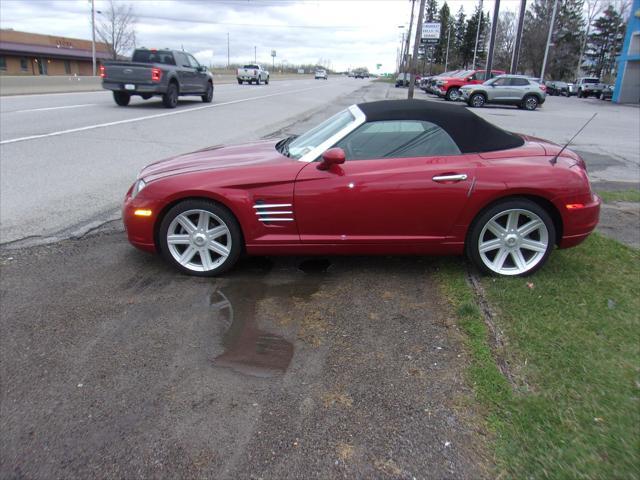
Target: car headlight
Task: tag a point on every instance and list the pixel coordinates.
(137, 187)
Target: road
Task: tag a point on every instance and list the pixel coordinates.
(68, 159)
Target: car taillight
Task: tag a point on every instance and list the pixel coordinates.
(103, 71)
(543, 88)
(156, 74)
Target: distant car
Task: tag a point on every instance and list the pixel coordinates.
(167, 73)
(403, 79)
(517, 90)
(253, 74)
(449, 87)
(557, 88)
(589, 87)
(607, 92)
(360, 184)
(321, 74)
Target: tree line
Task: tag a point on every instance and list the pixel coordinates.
(587, 37)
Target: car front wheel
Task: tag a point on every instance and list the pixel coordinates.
(208, 96)
(512, 238)
(452, 94)
(530, 102)
(200, 237)
(477, 100)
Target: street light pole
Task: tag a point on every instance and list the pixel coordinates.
(93, 36)
(255, 55)
(546, 50)
(492, 37)
(446, 57)
(228, 62)
(516, 48)
(406, 50)
(416, 44)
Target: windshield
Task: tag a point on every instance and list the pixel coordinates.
(463, 73)
(590, 80)
(314, 137)
(249, 67)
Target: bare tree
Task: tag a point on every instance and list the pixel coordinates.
(117, 28)
(505, 39)
(592, 10)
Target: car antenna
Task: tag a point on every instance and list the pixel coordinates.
(554, 160)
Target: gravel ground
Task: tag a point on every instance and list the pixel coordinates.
(287, 368)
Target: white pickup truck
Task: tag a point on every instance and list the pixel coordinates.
(253, 73)
(589, 86)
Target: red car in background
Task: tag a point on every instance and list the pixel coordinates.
(393, 177)
(449, 87)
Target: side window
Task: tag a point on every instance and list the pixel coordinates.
(3, 63)
(481, 76)
(501, 82)
(519, 82)
(474, 77)
(396, 139)
(181, 59)
(193, 61)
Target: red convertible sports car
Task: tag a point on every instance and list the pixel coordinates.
(390, 177)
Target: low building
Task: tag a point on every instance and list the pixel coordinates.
(23, 53)
(627, 89)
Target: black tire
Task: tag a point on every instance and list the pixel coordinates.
(266, 82)
(258, 81)
(530, 102)
(477, 100)
(237, 243)
(170, 98)
(484, 217)
(122, 98)
(208, 96)
(146, 96)
(452, 94)
(240, 82)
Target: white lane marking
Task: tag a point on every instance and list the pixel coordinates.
(53, 108)
(148, 117)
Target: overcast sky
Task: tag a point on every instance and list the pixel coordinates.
(349, 33)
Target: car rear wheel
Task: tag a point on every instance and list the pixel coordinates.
(477, 100)
(170, 98)
(200, 238)
(122, 98)
(513, 238)
(208, 96)
(452, 94)
(240, 82)
(266, 82)
(530, 102)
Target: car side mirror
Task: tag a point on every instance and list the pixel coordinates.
(202, 69)
(333, 156)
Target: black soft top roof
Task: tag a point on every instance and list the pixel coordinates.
(470, 132)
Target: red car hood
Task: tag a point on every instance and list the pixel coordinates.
(213, 158)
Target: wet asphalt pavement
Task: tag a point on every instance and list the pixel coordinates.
(115, 366)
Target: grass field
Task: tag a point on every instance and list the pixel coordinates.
(572, 342)
(620, 196)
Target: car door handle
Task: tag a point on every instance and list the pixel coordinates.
(454, 177)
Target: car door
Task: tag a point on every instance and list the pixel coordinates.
(199, 75)
(404, 182)
(520, 87)
(185, 72)
(501, 90)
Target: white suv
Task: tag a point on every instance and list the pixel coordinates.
(321, 74)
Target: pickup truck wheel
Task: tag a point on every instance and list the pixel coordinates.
(266, 82)
(121, 98)
(240, 82)
(452, 94)
(258, 81)
(208, 96)
(170, 98)
(530, 102)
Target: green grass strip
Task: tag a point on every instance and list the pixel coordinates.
(620, 196)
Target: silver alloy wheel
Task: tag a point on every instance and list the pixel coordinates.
(477, 100)
(199, 240)
(454, 94)
(513, 241)
(531, 103)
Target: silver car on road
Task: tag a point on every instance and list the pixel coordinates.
(518, 90)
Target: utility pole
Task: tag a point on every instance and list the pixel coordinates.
(446, 57)
(93, 36)
(400, 62)
(228, 57)
(416, 44)
(515, 57)
(406, 50)
(492, 38)
(478, 28)
(546, 50)
(255, 54)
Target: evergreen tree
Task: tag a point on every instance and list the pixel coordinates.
(445, 21)
(460, 30)
(534, 36)
(567, 34)
(469, 41)
(431, 11)
(605, 42)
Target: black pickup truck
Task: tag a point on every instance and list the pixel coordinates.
(168, 73)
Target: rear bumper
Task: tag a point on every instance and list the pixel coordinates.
(579, 223)
(140, 88)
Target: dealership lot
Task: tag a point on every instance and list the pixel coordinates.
(117, 366)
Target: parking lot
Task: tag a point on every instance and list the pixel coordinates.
(114, 365)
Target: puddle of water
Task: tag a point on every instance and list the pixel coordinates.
(314, 265)
(236, 305)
